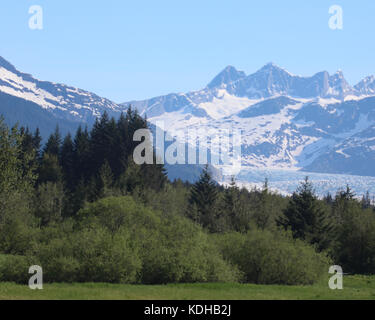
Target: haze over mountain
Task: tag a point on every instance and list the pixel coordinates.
(319, 123)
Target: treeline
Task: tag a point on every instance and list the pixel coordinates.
(84, 211)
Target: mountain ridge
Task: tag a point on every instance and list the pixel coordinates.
(319, 123)
(288, 121)
(59, 101)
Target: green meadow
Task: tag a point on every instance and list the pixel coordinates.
(355, 288)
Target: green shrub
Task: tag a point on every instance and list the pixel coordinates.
(14, 269)
(116, 240)
(182, 252)
(172, 248)
(90, 255)
(273, 258)
(106, 258)
(17, 234)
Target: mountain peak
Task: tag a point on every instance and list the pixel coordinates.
(272, 67)
(339, 74)
(369, 79)
(366, 86)
(228, 75)
(230, 69)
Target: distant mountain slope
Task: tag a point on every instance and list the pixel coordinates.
(288, 121)
(44, 104)
(319, 123)
(34, 103)
(31, 115)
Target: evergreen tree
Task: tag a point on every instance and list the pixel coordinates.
(232, 205)
(346, 194)
(102, 143)
(76, 200)
(50, 169)
(123, 145)
(306, 218)
(53, 144)
(366, 201)
(203, 197)
(230, 197)
(264, 212)
(328, 198)
(67, 163)
(37, 139)
(81, 154)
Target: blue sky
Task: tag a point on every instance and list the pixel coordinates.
(126, 50)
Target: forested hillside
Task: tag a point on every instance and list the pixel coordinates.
(83, 210)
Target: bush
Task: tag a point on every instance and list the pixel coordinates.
(182, 252)
(17, 235)
(273, 258)
(14, 268)
(172, 248)
(116, 240)
(89, 255)
(106, 258)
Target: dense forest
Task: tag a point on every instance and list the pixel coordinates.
(79, 207)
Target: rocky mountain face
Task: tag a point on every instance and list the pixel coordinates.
(319, 123)
(34, 103)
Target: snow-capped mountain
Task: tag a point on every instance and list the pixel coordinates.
(287, 121)
(366, 86)
(40, 103)
(319, 123)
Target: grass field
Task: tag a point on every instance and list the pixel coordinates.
(355, 287)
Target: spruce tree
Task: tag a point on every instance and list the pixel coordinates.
(366, 201)
(53, 144)
(306, 217)
(50, 170)
(203, 196)
(102, 143)
(37, 139)
(264, 211)
(123, 145)
(67, 162)
(231, 204)
(82, 154)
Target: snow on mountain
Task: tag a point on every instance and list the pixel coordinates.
(319, 123)
(227, 76)
(366, 86)
(60, 101)
(271, 80)
(287, 121)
